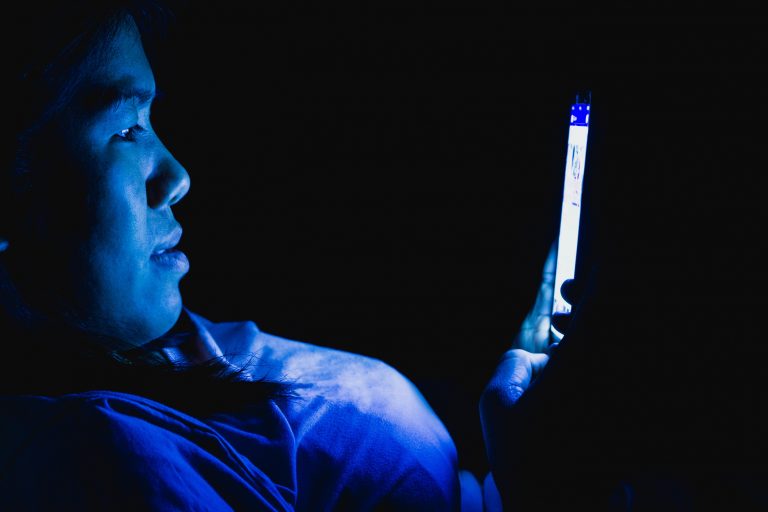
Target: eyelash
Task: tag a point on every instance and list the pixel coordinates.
(130, 133)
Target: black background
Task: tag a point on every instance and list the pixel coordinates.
(387, 180)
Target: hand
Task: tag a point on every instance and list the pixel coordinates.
(571, 290)
(517, 420)
(535, 335)
(511, 379)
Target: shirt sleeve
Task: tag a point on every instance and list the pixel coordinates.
(110, 451)
(367, 439)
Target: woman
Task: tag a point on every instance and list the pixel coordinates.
(131, 401)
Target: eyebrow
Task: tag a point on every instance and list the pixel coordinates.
(100, 98)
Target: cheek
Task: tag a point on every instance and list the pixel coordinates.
(125, 292)
(118, 243)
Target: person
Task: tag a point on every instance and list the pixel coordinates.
(115, 396)
(123, 398)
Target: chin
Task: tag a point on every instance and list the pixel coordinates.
(159, 319)
(171, 313)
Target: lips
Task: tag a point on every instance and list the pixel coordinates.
(169, 242)
(172, 260)
(168, 257)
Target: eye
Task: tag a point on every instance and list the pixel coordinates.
(129, 134)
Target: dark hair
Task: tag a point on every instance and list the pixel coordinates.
(63, 360)
(52, 41)
(45, 48)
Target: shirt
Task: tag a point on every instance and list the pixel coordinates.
(357, 436)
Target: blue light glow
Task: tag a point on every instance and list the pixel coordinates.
(571, 209)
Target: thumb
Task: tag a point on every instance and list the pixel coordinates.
(513, 376)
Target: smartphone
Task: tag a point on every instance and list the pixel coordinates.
(568, 240)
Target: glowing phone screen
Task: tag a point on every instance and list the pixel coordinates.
(569, 218)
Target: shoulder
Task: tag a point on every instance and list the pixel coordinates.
(369, 384)
(341, 379)
(363, 430)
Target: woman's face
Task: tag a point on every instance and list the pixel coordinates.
(112, 262)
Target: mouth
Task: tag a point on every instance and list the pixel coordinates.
(169, 242)
(167, 256)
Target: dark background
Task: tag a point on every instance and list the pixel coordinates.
(387, 180)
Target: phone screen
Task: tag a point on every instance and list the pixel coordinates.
(568, 240)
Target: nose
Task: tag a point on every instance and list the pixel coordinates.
(169, 182)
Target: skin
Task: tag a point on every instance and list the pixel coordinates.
(126, 182)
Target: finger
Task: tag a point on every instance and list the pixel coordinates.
(543, 304)
(535, 362)
(566, 290)
(514, 375)
(550, 264)
(571, 290)
(534, 333)
(560, 321)
(518, 367)
(512, 378)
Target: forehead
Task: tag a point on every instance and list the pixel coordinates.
(122, 63)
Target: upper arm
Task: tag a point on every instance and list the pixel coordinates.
(365, 430)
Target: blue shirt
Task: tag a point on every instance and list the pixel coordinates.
(358, 436)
